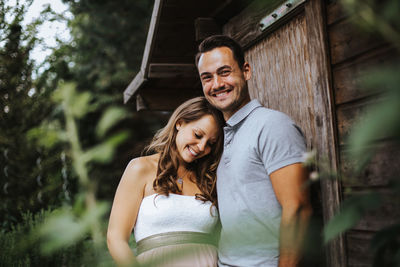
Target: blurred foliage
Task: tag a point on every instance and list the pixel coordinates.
(381, 122)
(21, 249)
(66, 226)
(29, 176)
(62, 131)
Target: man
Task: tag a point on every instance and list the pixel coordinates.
(264, 207)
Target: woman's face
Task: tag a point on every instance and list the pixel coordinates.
(195, 139)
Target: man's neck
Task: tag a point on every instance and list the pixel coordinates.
(229, 113)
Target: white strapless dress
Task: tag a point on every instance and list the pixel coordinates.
(162, 219)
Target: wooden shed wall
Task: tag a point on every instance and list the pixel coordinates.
(291, 74)
(289, 86)
(353, 54)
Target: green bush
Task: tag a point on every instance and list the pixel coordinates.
(22, 247)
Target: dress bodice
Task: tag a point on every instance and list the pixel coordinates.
(161, 214)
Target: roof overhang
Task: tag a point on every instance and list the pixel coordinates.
(168, 75)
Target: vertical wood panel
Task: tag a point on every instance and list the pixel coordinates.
(292, 74)
(281, 75)
(325, 120)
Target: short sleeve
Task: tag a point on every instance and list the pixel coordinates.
(280, 142)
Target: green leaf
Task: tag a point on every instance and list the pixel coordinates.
(109, 118)
(80, 104)
(104, 152)
(47, 135)
(352, 210)
(61, 229)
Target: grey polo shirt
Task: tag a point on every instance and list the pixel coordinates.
(258, 141)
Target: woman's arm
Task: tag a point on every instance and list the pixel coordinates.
(124, 211)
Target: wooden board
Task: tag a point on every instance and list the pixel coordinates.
(384, 166)
(348, 78)
(348, 115)
(387, 214)
(281, 75)
(358, 249)
(335, 13)
(245, 27)
(347, 41)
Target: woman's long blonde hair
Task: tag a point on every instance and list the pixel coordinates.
(204, 168)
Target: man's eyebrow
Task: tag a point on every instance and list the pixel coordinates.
(205, 73)
(224, 67)
(218, 70)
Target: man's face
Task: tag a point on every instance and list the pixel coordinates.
(224, 81)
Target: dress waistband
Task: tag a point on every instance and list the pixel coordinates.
(174, 238)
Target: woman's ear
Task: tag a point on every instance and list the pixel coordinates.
(178, 125)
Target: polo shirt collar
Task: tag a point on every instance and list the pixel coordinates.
(243, 112)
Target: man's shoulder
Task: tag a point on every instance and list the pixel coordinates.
(267, 116)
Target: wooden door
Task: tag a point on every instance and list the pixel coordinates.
(291, 73)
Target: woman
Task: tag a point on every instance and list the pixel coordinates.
(169, 198)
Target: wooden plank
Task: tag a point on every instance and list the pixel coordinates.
(134, 86)
(386, 215)
(162, 70)
(323, 108)
(154, 22)
(348, 115)
(358, 247)
(384, 166)
(347, 41)
(347, 78)
(335, 13)
(140, 78)
(245, 27)
(280, 77)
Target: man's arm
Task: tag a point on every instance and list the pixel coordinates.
(292, 194)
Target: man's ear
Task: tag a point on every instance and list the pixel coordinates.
(246, 71)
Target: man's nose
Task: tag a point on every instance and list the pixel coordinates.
(218, 82)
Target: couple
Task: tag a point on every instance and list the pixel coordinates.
(173, 199)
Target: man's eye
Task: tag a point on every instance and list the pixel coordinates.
(225, 72)
(197, 135)
(206, 78)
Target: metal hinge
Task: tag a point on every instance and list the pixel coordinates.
(278, 13)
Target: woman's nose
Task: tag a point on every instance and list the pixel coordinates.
(201, 146)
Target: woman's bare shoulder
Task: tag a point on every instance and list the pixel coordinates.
(142, 167)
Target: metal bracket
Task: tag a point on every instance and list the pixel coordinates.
(278, 13)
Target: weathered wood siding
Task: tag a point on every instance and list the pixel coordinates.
(281, 79)
(290, 77)
(291, 73)
(353, 54)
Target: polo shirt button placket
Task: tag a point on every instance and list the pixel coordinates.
(227, 145)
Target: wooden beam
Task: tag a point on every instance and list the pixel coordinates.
(141, 77)
(134, 86)
(155, 16)
(165, 70)
(324, 119)
(140, 103)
